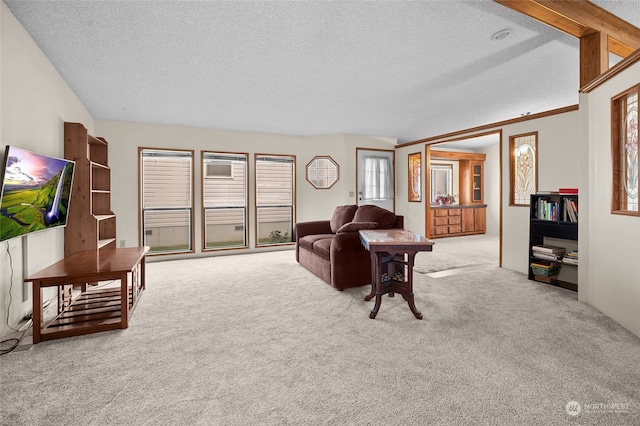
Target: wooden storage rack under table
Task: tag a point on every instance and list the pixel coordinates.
(93, 310)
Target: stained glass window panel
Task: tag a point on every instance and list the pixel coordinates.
(630, 153)
(624, 144)
(523, 157)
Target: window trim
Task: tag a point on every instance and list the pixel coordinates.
(308, 168)
(140, 198)
(512, 171)
(255, 198)
(616, 131)
(246, 200)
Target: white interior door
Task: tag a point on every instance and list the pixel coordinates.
(376, 178)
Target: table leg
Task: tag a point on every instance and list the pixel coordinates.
(376, 307)
(412, 305)
(409, 295)
(124, 300)
(37, 312)
(374, 276)
(376, 282)
(142, 272)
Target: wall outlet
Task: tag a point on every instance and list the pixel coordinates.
(123, 243)
(351, 194)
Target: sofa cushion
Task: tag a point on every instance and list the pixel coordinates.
(369, 213)
(342, 215)
(323, 247)
(308, 240)
(356, 226)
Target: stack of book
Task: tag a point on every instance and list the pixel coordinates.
(548, 252)
(546, 209)
(570, 210)
(571, 258)
(568, 191)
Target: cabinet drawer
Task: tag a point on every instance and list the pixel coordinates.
(455, 220)
(439, 221)
(456, 229)
(441, 230)
(454, 212)
(440, 212)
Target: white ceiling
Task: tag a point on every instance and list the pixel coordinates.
(400, 69)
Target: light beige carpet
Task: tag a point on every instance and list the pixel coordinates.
(459, 252)
(258, 340)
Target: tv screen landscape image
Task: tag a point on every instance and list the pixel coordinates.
(36, 190)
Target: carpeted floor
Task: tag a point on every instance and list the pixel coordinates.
(258, 340)
(459, 252)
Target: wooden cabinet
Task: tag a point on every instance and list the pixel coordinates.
(91, 224)
(457, 220)
(477, 182)
(474, 220)
(470, 216)
(446, 221)
(470, 174)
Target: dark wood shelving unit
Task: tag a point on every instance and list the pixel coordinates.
(559, 227)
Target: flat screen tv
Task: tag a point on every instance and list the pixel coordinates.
(36, 190)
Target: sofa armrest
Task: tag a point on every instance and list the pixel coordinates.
(346, 241)
(312, 228)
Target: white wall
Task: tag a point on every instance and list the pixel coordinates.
(492, 187)
(610, 247)
(558, 166)
(413, 212)
(34, 104)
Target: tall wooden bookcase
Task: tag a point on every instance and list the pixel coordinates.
(549, 219)
(91, 225)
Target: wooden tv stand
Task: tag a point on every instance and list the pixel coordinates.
(94, 310)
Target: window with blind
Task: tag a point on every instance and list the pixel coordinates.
(275, 199)
(166, 185)
(224, 200)
(624, 147)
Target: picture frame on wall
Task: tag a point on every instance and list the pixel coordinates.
(415, 177)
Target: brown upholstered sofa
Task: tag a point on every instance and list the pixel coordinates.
(332, 250)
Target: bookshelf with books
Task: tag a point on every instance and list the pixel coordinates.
(553, 239)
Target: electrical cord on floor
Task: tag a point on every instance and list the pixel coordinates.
(15, 342)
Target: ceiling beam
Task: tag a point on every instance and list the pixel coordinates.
(594, 56)
(620, 49)
(580, 18)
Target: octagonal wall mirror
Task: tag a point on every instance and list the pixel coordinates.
(323, 172)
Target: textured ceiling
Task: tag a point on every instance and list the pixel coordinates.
(400, 69)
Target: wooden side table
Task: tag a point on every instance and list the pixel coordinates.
(93, 310)
(392, 250)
